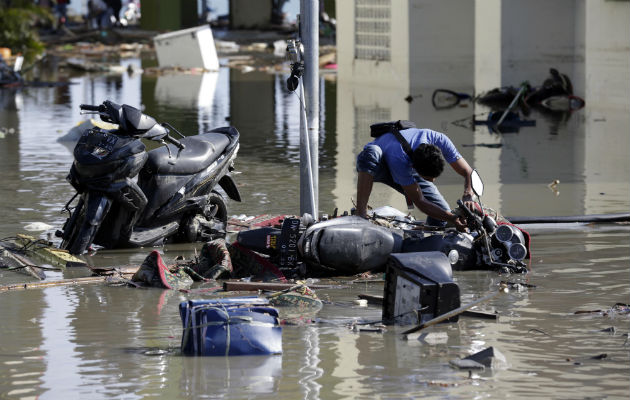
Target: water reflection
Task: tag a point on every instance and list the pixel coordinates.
(58, 343)
(243, 377)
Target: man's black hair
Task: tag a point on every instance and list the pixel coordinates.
(428, 161)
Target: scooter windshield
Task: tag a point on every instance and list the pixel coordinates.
(134, 121)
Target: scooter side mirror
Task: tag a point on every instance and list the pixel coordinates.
(476, 182)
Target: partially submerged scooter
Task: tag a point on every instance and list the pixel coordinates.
(350, 245)
(173, 197)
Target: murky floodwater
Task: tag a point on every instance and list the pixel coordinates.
(95, 341)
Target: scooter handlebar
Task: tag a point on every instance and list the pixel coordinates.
(89, 107)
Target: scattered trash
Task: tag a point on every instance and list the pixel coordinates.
(43, 250)
(214, 260)
(490, 358)
(229, 327)
(618, 308)
(481, 314)
(361, 302)
(432, 338)
(62, 282)
(612, 330)
(229, 47)
(298, 296)
(239, 286)
(37, 227)
(187, 48)
(375, 300)
(12, 260)
(154, 273)
(368, 328)
(539, 331)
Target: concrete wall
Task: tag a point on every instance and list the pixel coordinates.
(607, 94)
(248, 14)
(441, 43)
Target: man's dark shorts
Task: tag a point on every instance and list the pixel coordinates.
(371, 160)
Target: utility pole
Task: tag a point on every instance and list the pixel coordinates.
(309, 33)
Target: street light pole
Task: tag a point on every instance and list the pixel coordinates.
(309, 32)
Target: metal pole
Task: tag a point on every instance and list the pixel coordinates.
(309, 32)
(512, 104)
(307, 196)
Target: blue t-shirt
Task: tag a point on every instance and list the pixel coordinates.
(399, 163)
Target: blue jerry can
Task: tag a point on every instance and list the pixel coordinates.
(230, 327)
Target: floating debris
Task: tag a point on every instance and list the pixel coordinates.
(37, 227)
(490, 358)
(154, 273)
(619, 308)
(431, 338)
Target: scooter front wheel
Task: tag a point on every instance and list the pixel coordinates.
(84, 238)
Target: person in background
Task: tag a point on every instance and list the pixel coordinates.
(114, 9)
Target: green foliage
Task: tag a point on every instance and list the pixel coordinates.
(18, 27)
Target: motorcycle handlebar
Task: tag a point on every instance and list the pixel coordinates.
(89, 107)
(468, 213)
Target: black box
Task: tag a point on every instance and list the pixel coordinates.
(418, 287)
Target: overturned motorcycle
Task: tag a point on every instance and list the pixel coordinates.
(350, 245)
(173, 198)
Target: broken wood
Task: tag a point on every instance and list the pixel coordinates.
(480, 314)
(19, 263)
(63, 282)
(41, 249)
(455, 312)
(234, 286)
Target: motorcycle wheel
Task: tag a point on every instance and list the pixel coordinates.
(82, 236)
(71, 224)
(210, 224)
(216, 213)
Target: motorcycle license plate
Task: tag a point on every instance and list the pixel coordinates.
(288, 242)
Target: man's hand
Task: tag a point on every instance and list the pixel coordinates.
(460, 223)
(467, 199)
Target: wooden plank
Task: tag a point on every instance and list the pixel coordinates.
(57, 257)
(63, 282)
(19, 263)
(237, 286)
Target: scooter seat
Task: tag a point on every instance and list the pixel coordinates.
(200, 152)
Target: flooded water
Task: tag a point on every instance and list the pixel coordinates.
(95, 341)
